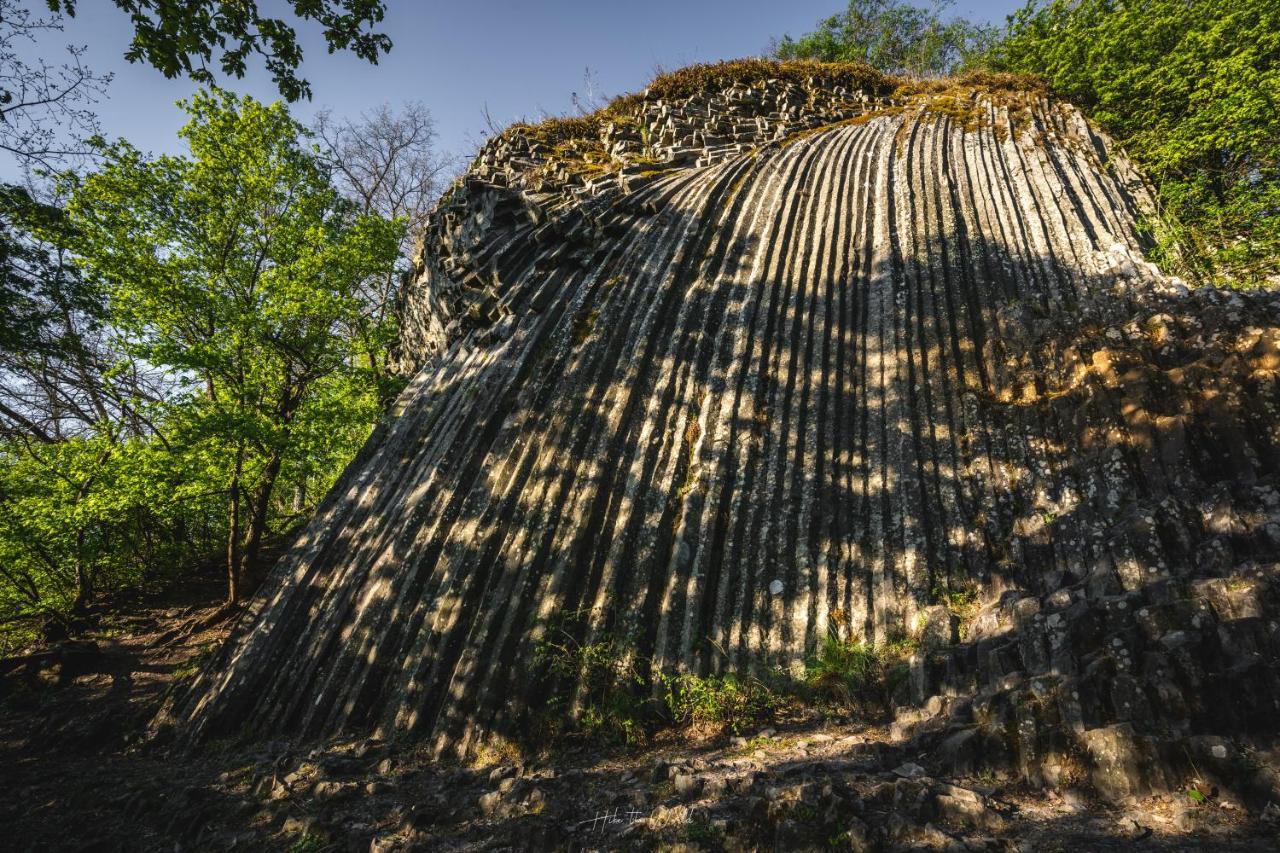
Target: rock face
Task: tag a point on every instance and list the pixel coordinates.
(730, 371)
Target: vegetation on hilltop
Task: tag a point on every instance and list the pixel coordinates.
(894, 36)
(1191, 89)
(704, 78)
(571, 136)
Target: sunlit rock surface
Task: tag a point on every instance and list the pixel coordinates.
(783, 358)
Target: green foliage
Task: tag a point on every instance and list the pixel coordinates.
(1191, 89)
(309, 844)
(583, 132)
(37, 287)
(703, 833)
(854, 673)
(843, 669)
(613, 707)
(961, 602)
(723, 701)
(184, 38)
(234, 268)
(710, 77)
(894, 36)
(957, 599)
(622, 697)
(82, 515)
(184, 380)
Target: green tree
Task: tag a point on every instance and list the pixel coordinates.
(182, 37)
(39, 287)
(75, 431)
(235, 268)
(1191, 88)
(893, 36)
(385, 163)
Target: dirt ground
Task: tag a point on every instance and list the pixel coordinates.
(78, 774)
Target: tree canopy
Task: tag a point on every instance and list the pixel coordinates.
(192, 355)
(894, 36)
(234, 268)
(1191, 88)
(185, 38)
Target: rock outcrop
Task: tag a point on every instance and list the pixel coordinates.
(720, 372)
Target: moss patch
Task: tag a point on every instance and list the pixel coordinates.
(752, 72)
(965, 99)
(697, 79)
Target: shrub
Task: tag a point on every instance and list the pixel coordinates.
(843, 669)
(718, 700)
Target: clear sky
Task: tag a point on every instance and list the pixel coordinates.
(521, 59)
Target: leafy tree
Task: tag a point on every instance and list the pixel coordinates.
(37, 284)
(893, 36)
(83, 498)
(235, 268)
(1191, 88)
(86, 515)
(148, 414)
(183, 37)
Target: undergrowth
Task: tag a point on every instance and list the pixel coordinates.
(603, 692)
(961, 601)
(719, 701)
(854, 674)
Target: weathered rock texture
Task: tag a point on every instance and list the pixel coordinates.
(781, 354)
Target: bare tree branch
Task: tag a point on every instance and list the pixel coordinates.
(46, 110)
(386, 164)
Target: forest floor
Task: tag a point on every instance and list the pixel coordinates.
(79, 775)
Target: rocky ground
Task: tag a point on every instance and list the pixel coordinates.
(78, 775)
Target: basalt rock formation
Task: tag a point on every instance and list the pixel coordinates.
(723, 370)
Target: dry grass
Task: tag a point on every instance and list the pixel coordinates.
(577, 140)
(751, 72)
(700, 79)
(965, 99)
(984, 82)
(863, 118)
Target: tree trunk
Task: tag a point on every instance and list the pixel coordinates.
(258, 521)
(233, 533)
(84, 584)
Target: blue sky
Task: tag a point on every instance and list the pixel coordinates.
(521, 59)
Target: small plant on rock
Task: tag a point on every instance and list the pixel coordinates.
(842, 669)
(612, 705)
(961, 601)
(718, 700)
(309, 844)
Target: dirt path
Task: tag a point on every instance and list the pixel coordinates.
(72, 718)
